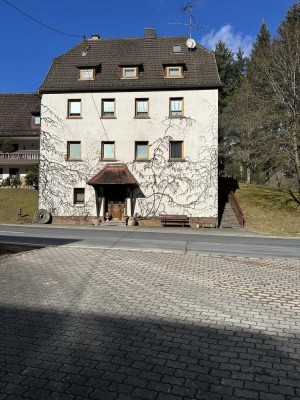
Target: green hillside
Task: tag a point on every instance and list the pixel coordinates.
(269, 211)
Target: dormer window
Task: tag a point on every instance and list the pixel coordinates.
(129, 72)
(175, 71)
(87, 74)
(36, 120)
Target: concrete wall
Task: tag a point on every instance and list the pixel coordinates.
(188, 187)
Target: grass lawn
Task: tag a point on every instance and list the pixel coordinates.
(11, 199)
(269, 211)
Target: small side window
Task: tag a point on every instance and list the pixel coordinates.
(79, 195)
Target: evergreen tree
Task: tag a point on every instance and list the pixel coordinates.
(283, 77)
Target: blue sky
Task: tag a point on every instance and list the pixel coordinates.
(28, 48)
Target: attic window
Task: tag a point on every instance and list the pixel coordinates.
(174, 72)
(129, 72)
(87, 74)
(36, 119)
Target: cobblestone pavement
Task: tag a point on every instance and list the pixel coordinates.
(103, 324)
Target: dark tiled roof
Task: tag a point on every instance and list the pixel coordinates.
(16, 111)
(117, 174)
(151, 54)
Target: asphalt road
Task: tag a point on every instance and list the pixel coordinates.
(178, 240)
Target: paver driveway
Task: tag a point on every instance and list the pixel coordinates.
(102, 324)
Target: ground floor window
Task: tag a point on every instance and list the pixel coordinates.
(176, 150)
(79, 195)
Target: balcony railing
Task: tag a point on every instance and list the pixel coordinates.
(23, 157)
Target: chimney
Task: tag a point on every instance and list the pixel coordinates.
(150, 33)
(95, 37)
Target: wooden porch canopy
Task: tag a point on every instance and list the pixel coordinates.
(114, 174)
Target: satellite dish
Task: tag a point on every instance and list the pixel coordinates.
(191, 43)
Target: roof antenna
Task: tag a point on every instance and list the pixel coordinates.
(191, 43)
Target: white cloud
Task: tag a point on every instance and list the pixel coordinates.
(232, 39)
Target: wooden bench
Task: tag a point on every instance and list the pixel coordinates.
(173, 219)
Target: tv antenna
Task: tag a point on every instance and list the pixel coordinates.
(192, 22)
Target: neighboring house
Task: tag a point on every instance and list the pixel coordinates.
(130, 126)
(19, 133)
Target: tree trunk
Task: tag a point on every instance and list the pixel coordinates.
(248, 176)
(296, 156)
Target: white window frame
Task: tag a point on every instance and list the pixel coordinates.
(83, 71)
(135, 72)
(175, 68)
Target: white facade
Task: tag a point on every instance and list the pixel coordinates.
(188, 186)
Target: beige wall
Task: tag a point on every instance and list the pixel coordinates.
(188, 187)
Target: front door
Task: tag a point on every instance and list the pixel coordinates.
(116, 209)
(115, 200)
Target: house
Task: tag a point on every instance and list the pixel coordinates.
(19, 134)
(129, 126)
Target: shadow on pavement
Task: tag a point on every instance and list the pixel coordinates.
(49, 355)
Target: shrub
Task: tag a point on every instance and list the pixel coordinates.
(6, 181)
(15, 181)
(32, 178)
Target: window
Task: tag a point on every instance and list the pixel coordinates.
(142, 108)
(108, 150)
(74, 108)
(108, 108)
(141, 151)
(176, 107)
(73, 150)
(174, 72)
(13, 172)
(87, 74)
(36, 119)
(79, 195)
(176, 150)
(129, 72)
